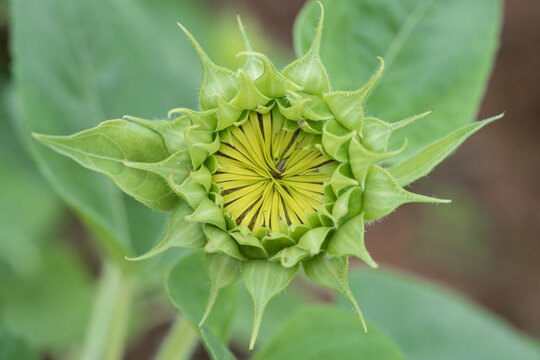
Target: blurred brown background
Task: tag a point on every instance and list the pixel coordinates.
(487, 243)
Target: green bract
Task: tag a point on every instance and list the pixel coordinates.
(274, 171)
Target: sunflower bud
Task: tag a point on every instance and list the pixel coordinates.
(275, 171)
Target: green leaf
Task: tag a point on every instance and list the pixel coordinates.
(428, 323)
(180, 234)
(426, 159)
(383, 195)
(13, 347)
(223, 271)
(322, 333)
(84, 79)
(106, 147)
(332, 272)
(264, 280)
(438, 55)
(29, 210)
(54, 292)
(188, 288)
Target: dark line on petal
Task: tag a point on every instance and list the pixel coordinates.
(287, 219)
(243, 215)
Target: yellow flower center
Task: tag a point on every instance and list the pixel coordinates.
(268, 174)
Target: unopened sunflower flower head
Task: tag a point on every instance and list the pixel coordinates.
(274, 172)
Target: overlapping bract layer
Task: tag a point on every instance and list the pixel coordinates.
(188, 165)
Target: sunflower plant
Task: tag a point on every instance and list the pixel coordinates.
(275, 172)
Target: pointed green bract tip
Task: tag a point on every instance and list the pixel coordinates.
(264, 280)
(308, 71)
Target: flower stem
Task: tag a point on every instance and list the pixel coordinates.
(106, 334)
(180, 341)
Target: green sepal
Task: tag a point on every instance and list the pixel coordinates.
(211, 164)
(348, 106)
(271, 83)
(296, 231)
(180, 234)
(222, 271)
(314, 220)
(244, 117)
(248, 97)
(105, 149)
(331, 272)
(426, 159)
(253, 66)
(227, 113)
(201, 144)
(308, 71)
(336, 139)
(265, 109)
(274, 242)
(375, 132)
(264, 279)
(192, 192)
(348, 240)
(248, 243)
(202, 176)
(308, 106)
(329, 193)
(172, 131)
(325, 215)
(219, 241)
(347, 205)
(290, 256)
(292, 112)
(216, 79)
(314, 239)
(342, 178)
(361, 159)
(382, 195)
(207, 119)
(312, 127)
(208, 212)
(174, 169)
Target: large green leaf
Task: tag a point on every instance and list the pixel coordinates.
(43, 285)
(327, 333)
(12, 347)
(29, 210)
(429, 323)
(95, 60)
(188, 287)
(54, 292)
(438, 56)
